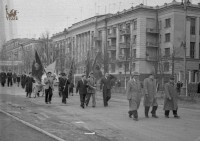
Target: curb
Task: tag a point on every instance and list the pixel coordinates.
(34, 127)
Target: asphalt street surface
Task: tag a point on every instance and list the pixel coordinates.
(13, 130)
(72, 123)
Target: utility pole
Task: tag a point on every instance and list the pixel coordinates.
(184, 88)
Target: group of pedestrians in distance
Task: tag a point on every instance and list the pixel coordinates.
(10, 78)
(134, 94)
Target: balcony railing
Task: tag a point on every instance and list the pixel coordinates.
(112, 47)
(124, 45)
(125, 32)
(123, 57)
(112, 60)
(112, 35)
(152, 44)
(152, 30)
(98, 38)
(151, 58)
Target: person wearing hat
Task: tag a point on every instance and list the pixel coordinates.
(171, 99)
(91, 83)
(82, 89)
(150, 99)
(134, 93)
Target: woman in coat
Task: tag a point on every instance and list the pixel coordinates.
(171, 99)
(134, 93)
(29, 85)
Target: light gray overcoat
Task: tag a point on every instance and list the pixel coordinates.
(150, 89)
(170, 91)
(134, 94)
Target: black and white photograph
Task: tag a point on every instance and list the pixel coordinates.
(99, 70)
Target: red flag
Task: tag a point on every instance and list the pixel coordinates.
(88, 65)
(96, 66)
(37, 67)
(71, 70)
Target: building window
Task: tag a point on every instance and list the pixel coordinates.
(167, 37)
(134, 39)
(167, 23)
(120, 65)
(167, 52)
(192, 49)
(126, 66)
(166, 66)
(160, 24)
(134, 53)
(133, 67)
(192, 26)
(199, 50)
(112, 68)
(134, 25)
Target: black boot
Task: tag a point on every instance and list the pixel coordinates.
(175, 114)
(135, 115)
(130, 114)
(153, 112)
(146, 111)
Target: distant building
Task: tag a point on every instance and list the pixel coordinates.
(23, 49)
(149, 36)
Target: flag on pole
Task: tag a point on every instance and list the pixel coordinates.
(37, 68)
(88, 64)
(71, 70)
(96, 66)
(51, 68)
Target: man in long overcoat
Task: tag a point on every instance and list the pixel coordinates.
(106, 83)
(29, 85)
(3, 78)
(150, 98)
(65, 88)
(171, 99)
(134, 94)
(49, 87)
(82, 89)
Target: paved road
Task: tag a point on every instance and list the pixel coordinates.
(111, 122)
(13, 130)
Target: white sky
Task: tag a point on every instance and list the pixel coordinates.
(39, 16)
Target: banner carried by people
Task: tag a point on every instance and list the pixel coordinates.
(96, 66)
(37, 68)
(71, 70)
(88, 65)
(51, 68)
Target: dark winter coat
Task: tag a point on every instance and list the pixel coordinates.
(3, 77)
(29, 84)
(66, 87)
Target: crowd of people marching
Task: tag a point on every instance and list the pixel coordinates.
(87, 87)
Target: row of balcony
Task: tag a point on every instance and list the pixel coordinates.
(123, 58)
(125, 32)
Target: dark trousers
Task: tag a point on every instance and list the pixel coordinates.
(64, 96)
(106, 96)
(2, 83)
(167, 112)
(9, 82)
(48, 95)
(82, 99)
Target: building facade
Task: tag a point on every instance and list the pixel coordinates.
(142, 39)
(23, 51)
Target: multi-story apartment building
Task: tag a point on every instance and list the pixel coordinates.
(142, 39)
(21, 51)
